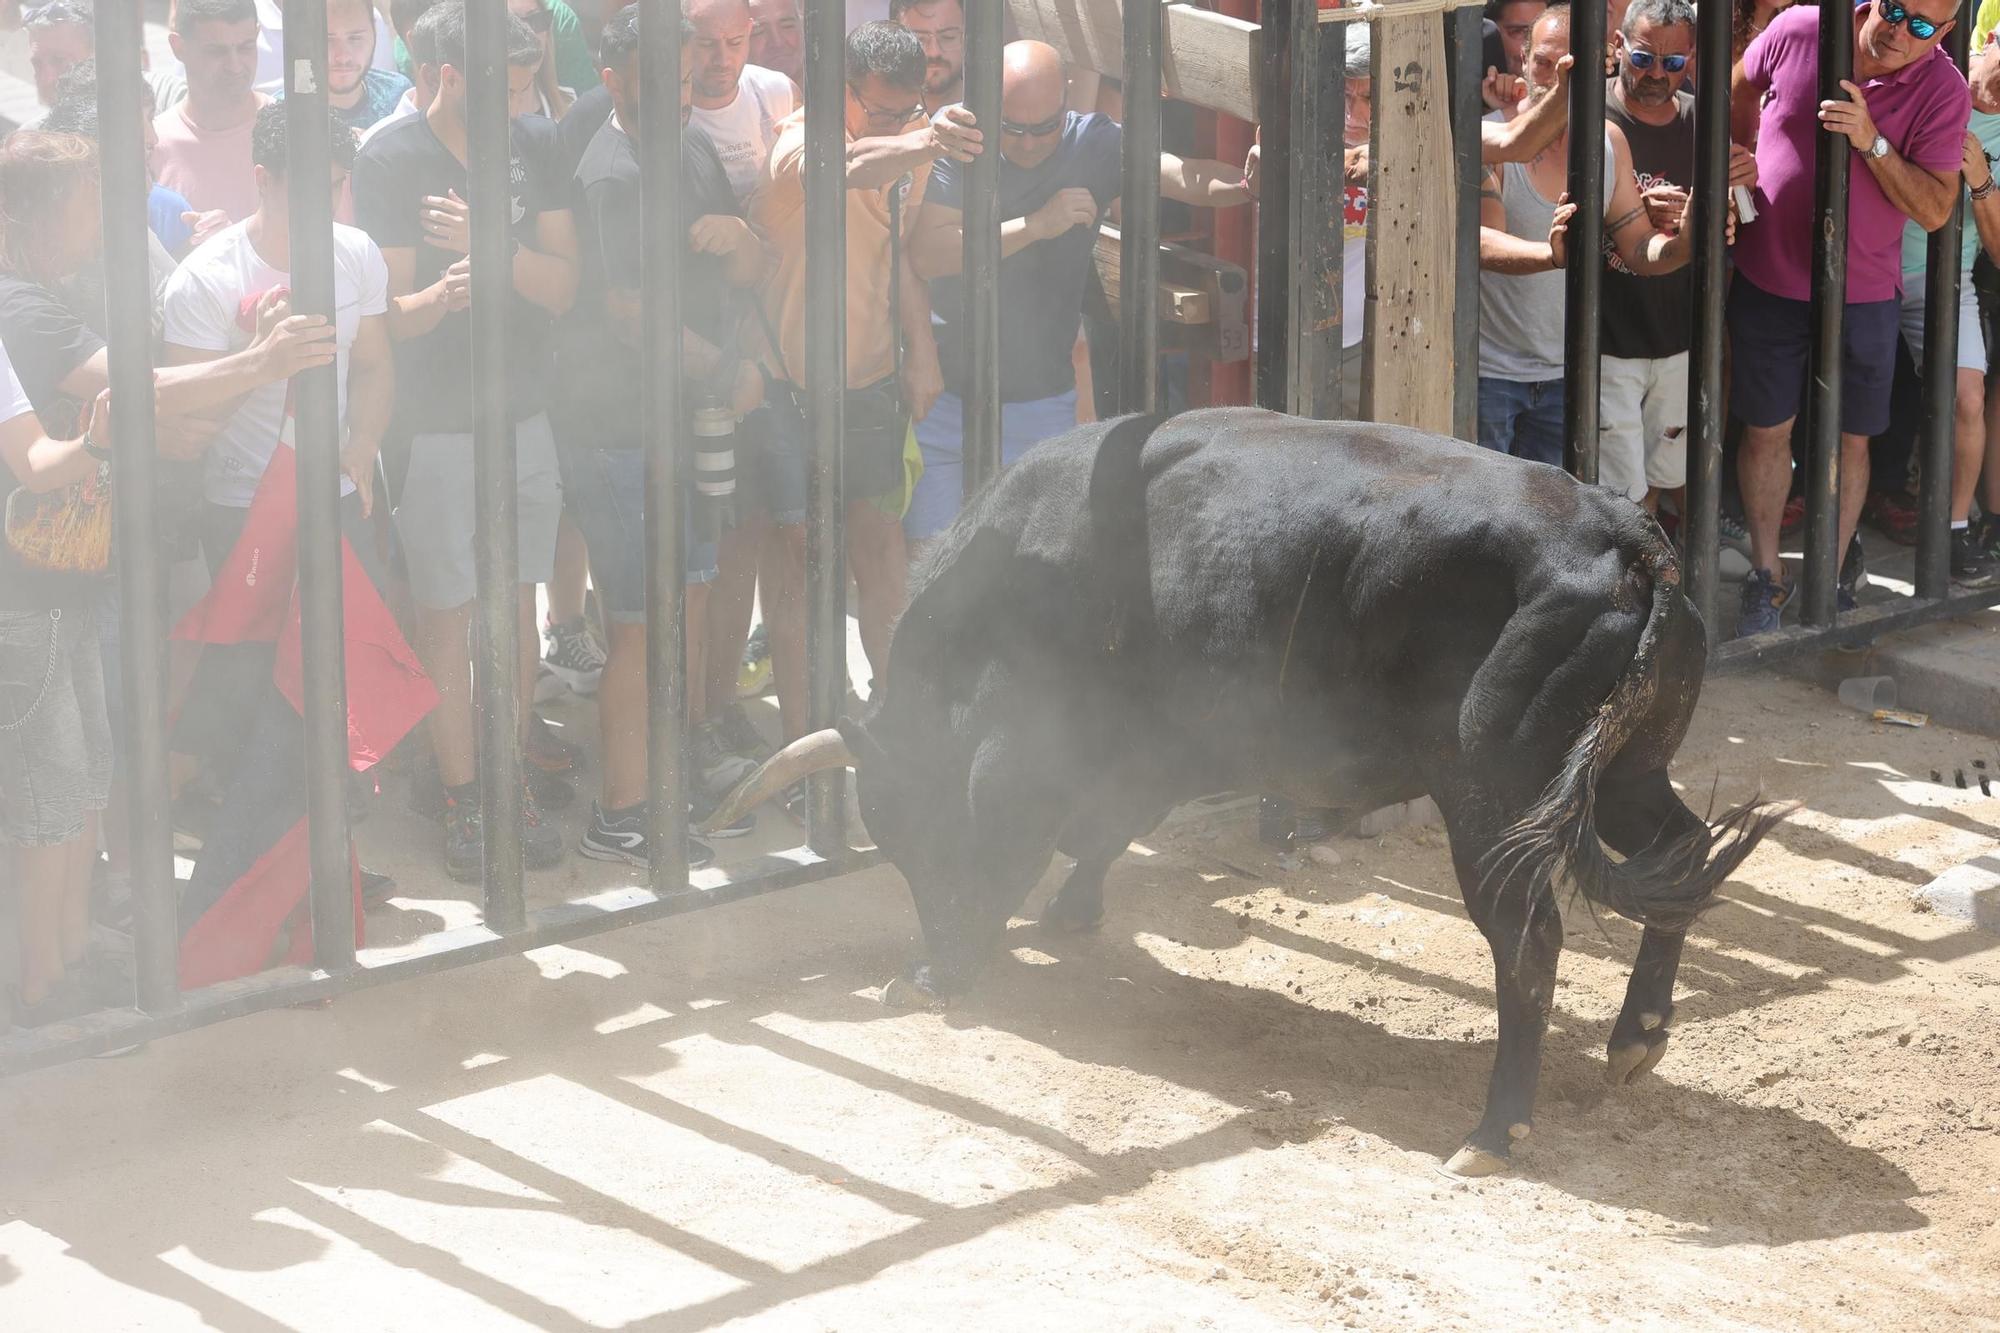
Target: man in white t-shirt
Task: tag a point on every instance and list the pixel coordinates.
(214, 304)
(737, 104)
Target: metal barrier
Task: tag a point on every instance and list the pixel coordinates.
(508, 927)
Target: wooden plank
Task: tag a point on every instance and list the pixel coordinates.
(1208, 60)
(1203, 300)
(1412, 198)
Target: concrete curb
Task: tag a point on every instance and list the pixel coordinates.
(1950, 670)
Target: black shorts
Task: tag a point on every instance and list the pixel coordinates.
(1770, 339)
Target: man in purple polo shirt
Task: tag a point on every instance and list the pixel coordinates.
(1905, 115)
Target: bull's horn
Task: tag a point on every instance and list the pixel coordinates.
(806, 755)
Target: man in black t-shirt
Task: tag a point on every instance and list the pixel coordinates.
(603, 368)
(410, 193)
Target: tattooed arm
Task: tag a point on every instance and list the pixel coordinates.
(1645, 251)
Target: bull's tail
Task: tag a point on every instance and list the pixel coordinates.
(1669, 884)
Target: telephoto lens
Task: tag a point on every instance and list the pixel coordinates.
(715, 464)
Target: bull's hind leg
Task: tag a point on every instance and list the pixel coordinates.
(1524, 930)
(1634, 814)
(1096, 836)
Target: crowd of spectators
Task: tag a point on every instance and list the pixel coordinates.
(402, 332)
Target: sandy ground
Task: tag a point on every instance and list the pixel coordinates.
(1223, 1112)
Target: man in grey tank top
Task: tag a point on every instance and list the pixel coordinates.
(1521, 254)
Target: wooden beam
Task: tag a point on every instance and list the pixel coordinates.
(1208, 60)
(1203, 300)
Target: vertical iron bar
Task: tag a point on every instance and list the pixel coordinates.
(825, 386)
(316, 423)
(984, 37)
(1940, 376)
(1318, 209)
(1706, 409)
(1833, 159)
(664, 416)
(128, 300)
(1467, 110)
(1139, 209)
(1583, 284)
(1274, 204)
(497, 638)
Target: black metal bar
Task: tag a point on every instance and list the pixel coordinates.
(985, 35)
(1317, 114)
(825, 386)
(1833, 159)
(1139, 209)
(1860, 626)
(440, 951)
(1940, 375)
(316, 426)
(1707, 412)
(664, 415)
(497, 638)
(1583, 283)
(141, 573)
(1467, 110)
(1274, 207)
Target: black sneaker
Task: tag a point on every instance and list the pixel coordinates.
(464, 853)
(623, 839)
(541, 842)
(703, 806)
(571, 653)
(1853, 575)
(741, 735)
(550, 791)
(1971, 565)
(716, 768)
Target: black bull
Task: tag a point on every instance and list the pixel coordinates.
(1349, 615)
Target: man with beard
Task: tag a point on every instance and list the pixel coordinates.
(777, 40)
(939, 26)
(1648, 322)
(359, 93)
(203, 153)
(1521, 250)
(738, 105)
(1904, 115)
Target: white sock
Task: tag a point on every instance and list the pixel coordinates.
(1960, 524)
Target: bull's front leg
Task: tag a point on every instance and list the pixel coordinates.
(1524, 930)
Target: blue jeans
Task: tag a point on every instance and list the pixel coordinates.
(941, 438)
(1525, 420)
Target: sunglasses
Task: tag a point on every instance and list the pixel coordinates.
(1645, 59)
(1040, 129)
(1893, 14)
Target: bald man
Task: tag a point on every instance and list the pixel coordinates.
(1059, 175)
(737, 104)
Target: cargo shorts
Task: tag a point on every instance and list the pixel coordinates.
(55, 736)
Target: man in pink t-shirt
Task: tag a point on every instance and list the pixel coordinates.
(204, 148)
(1905, 113)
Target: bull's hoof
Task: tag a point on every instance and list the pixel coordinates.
(908, 993)
(1059, 918)
(1474, 1163)
(1627, 1060)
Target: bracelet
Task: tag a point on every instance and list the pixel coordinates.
(1982, 191)
(94, 449)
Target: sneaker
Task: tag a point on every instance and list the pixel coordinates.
(1893, 514)
(755, 676)
(1794, 517)
(1853, 575)
(741, 736)
(1763, 606)
(464, 854)
(548, 751)
(1971, 566)
(623, 839)
(551, 792)
(1734, 558)
(716, 766)
(548, 685)
(703, 806)
(573, 655)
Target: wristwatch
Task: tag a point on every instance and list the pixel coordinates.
(1880, 148)
(94, 449)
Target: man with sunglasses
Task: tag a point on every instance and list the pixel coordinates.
(1059, 174)
(1648, 321)
(890, 149)
(1905, 114)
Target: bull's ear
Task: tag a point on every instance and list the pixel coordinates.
(862, 745)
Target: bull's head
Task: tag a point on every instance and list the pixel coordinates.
(917, 810)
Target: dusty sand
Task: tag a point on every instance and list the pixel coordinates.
(1225, 1111)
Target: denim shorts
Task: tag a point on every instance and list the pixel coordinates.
(607, 498)
(774, 458)
(55, 739)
